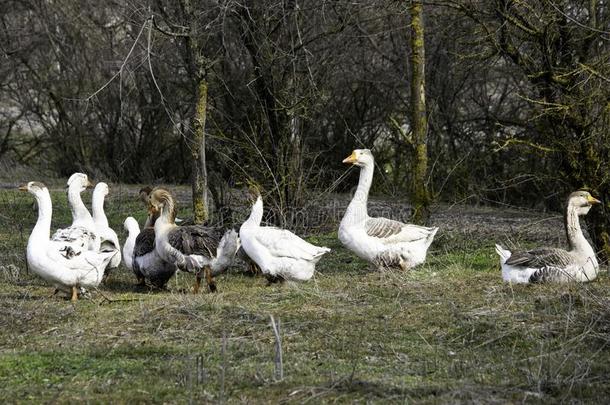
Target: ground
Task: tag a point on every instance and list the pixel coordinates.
(449, 331)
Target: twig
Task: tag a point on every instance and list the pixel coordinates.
(511, 141)
(279, 364)
(117, 74)
(223, 367)
(111, 300)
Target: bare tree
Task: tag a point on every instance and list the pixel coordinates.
(560, 51)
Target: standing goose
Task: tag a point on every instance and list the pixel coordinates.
(192, 248)
(133, 230)
(47, 259)
(82, 233)
(552, 264)
(384, 242)
(108, 237)
(280, 254)
(146, 262)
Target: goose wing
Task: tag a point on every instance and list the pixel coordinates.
(71, 242)
(143, 245)
(145, 242)
(195, 239)
(382, 227)
(541, 257)
(83, 261)
(283, 243)
(73, 235)
(388, 228)
(109, 235)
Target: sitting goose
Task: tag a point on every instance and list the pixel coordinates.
(553, 264)
(82, 233)
(280, 254)
(46, 258)
(108, 237)
(384, 242)
(194, 247)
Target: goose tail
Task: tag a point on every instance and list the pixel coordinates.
(225, 253)
(503, 253)
(322, 250)
(431, 235)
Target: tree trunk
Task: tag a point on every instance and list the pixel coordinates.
(199, 176)
(419, 122)
(196, 62)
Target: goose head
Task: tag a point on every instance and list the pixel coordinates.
(102, 189)
(360, 157)
(131, 225)
(79, 182)
(582, 201)
(254, 193)
(144, 193)
(161, 202)
(34, 187)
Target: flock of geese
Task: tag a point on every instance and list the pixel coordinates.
(80, 256)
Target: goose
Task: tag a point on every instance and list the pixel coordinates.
(194, 247)
(133, 230)
(108, 237)
(47, 259)
(82, 233)
(553, 264)
(280, 254)
(146, 264)
(383, 242)
(143, 196)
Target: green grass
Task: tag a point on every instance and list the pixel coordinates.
(449, 331)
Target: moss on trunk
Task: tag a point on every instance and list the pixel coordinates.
(419, 121)
(199, 173)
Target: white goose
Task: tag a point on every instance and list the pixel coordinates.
(47, 258)
(553, 264)
(280, 254)
(82, 233)
(133, 230)
(384, 242)
(108, 237)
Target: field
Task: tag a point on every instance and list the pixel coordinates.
(448, 332)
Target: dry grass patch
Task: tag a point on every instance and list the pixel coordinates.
(449, 331)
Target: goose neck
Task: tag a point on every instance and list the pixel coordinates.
(164, 222)
(576, 239)
(150, 221)
(79, 211)
(256, 215)
(97, 206)
(42, 229)
(357, 209)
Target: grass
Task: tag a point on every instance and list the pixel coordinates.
(449, 331)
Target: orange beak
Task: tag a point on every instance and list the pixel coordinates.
(351, 158)
(592, 200)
